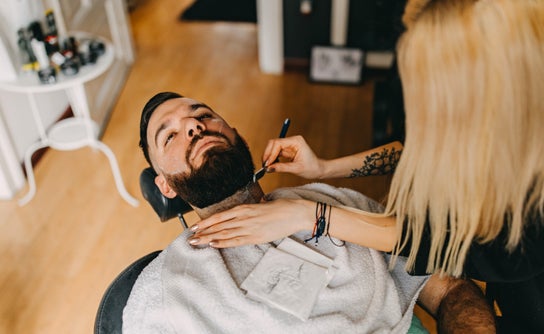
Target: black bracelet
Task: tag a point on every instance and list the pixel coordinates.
(320, 221)
(322, 224)
(343, 243)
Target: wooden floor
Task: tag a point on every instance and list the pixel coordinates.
(60, 251)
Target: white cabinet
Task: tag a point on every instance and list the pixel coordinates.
(105, 18)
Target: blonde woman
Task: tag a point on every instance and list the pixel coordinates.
(467, 195)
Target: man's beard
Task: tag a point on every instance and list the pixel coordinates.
(224, 171)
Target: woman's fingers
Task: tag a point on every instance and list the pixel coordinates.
(226, 235)
(299, 158)
(223, 239)
(254, 223)
(286, 148)
(238, 212)
(233, 242)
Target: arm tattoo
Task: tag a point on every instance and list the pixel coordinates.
(378, 163)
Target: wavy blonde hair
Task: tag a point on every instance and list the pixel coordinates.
(473, 81)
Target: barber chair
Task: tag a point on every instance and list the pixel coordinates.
(109, 317)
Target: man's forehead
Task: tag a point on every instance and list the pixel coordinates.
(178, 107)
(182, 104)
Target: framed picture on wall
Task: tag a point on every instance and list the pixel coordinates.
(330, 64)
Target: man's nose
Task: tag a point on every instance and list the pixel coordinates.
(194, 128)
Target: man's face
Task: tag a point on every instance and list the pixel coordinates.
(196, 154)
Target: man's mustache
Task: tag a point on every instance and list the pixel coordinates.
(200, 136)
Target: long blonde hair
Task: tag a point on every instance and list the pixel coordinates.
(473, 82)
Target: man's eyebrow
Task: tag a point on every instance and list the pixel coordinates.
(195, 106)
(159, 130)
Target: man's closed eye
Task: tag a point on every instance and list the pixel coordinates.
(169, 138)
(203, 116)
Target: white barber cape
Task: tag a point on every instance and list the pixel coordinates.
(197, 290)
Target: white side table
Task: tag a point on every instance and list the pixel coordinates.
(71, 133)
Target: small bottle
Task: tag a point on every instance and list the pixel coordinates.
(70, 47)
(51, 38)
(35, 31)
(28, 59)
(46, 73)
(50, 22)
(71, 63)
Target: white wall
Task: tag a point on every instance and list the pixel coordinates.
(11, 175)
(18, 13)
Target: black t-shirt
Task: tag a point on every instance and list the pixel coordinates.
(514, 280)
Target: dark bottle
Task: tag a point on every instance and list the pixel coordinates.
(50, 22)
(51, 39)
(36, 31)
(28, 59)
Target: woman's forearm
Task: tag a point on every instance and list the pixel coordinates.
(279, 218)
(363, 228)
(377, 161)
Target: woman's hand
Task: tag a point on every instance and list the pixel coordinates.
(254, 223)
(301, 160)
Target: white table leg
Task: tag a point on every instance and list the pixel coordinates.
(116, 174)
(36, 116)
(30, 172)
(78, 101)
(80, 106)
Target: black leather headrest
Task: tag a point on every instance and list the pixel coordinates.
(166, 208)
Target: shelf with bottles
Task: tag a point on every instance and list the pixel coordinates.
(45, 54)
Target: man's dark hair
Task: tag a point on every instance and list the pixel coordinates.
(148, 110)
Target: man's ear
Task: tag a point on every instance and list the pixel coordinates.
(164, 187)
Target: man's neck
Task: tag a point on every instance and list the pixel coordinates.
(250, 194)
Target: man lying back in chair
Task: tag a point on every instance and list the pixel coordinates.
(199, 157)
